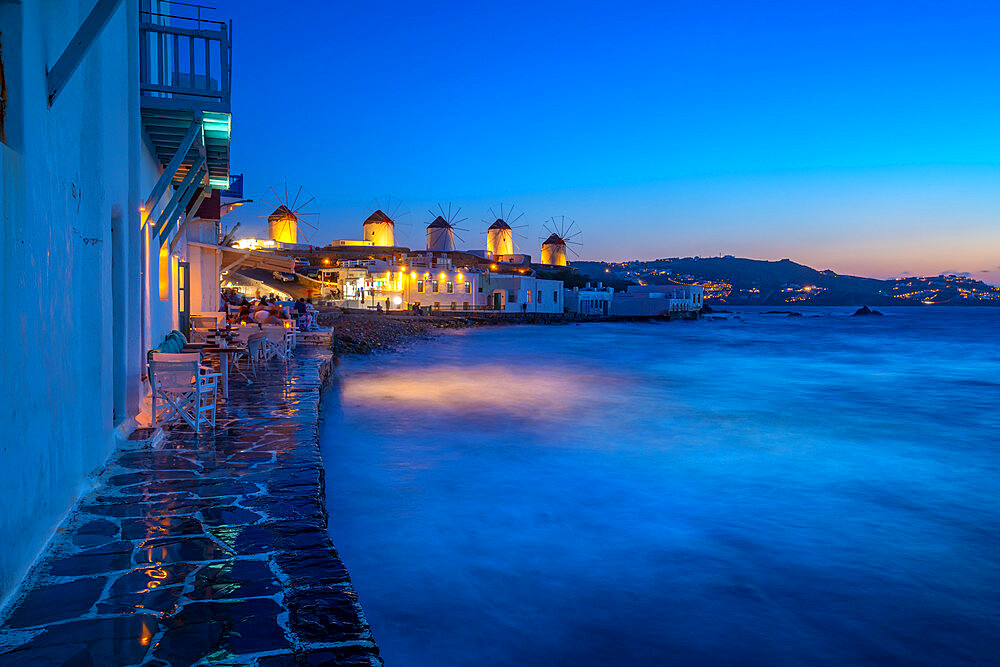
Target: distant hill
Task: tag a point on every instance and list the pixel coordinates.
(737, 280)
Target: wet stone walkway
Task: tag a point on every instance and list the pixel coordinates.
(210, 550)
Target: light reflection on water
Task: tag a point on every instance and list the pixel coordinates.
(763, 490)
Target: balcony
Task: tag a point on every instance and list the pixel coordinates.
(185, 66)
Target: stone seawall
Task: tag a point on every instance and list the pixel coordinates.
(208, 549)
(361, 333)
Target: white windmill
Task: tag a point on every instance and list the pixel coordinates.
(561, 236)
(500, 234)
(441, 231)
(380, 226)
(286, 223)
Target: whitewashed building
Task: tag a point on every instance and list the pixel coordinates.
(653, 300)
(108, 148)
(521, 293)
(589, 300)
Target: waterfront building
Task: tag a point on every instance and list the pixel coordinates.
(521, 293)
(589, 300)
(653, 300)
(111, 167)
(429, 279)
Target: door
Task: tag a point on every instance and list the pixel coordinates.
(184, 298)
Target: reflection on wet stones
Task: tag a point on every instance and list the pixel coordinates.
(210, 549)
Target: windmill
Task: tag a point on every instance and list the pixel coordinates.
(560, 237)
(441, 231)
(500, 234)
(285, 223)
(380, 226)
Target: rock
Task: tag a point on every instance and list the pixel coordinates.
(865, 310)
(794, 315)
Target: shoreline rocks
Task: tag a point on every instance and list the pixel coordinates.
(355, 333)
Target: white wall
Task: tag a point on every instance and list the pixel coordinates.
(70, 185)
(518, 286)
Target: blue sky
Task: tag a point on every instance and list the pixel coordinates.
(860, 137)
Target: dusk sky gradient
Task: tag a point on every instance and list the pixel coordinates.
(861, 137)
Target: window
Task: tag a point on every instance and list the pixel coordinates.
(528, 298)
(434, 286)
(465, 306)
(468, 287)
(451, 287)
(420, 285)
(555, 297)
(163, 272)
(437, 305)
(454, 306)
(511, 296)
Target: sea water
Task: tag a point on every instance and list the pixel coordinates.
(748, 489)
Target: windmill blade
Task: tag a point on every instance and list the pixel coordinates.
(286, 191)
(459, 237)
(296, 198)
(304, 204)
(575, 253)
(509, 222)
(308, 224)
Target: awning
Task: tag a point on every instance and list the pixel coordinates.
(252, 259)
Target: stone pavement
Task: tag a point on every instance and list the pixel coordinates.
(210, 550)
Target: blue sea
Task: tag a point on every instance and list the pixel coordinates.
(748, 489)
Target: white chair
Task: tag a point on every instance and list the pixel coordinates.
(277, 342)
(183, 388)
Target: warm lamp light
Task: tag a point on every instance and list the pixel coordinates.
(442, 276)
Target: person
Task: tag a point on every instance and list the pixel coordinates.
(387, 305)
(244, 302)
(300, 306)
(244, 315)
(378, 307)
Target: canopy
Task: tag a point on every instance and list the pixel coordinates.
(253, 259)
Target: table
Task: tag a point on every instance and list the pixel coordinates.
(224, 354)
